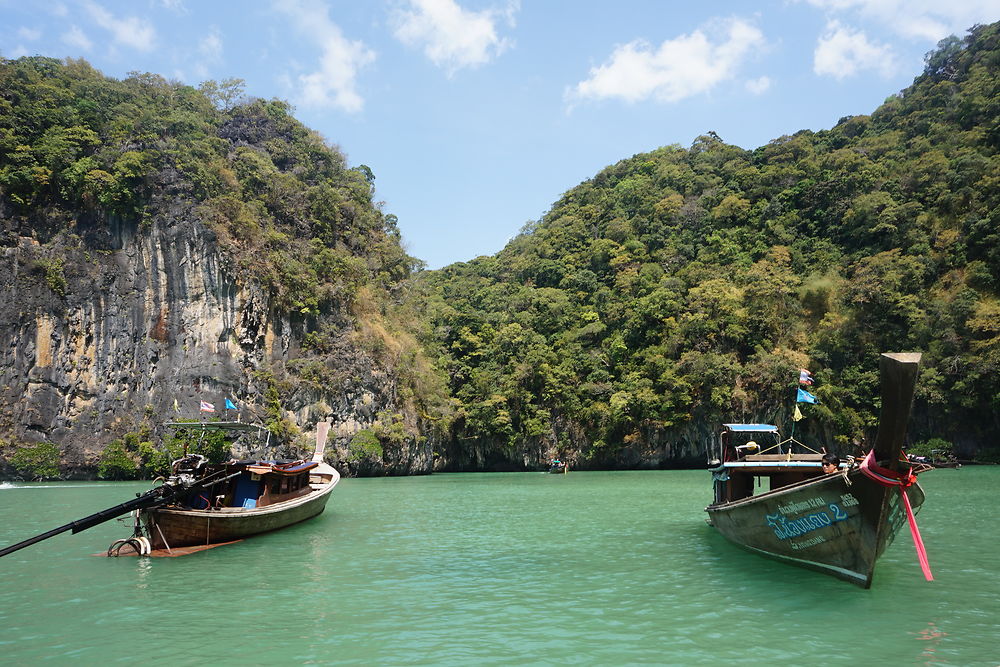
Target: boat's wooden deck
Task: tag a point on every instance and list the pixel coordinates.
(127, 550)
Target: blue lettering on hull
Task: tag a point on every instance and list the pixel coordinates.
(787, 528)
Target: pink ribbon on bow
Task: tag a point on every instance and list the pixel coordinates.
(887, 477)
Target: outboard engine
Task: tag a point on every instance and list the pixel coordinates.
(187, 470)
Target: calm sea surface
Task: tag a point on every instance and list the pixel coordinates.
(602, 568)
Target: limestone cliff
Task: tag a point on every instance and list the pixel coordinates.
(157, 251)
(103, 329)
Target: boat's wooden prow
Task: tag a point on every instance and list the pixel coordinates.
(322, 431)
(899, 380)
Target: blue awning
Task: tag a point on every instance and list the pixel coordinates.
(751, 428)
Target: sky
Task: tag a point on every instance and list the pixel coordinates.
(475, 116)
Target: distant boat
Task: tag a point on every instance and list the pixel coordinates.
(837, 523)
(934, 461)
(558, 467)
(202, 505)
(941, 458)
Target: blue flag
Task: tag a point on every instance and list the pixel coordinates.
(229, 405)
(805, 397)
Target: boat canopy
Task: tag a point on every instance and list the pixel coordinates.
(218, 426)
(751, 428)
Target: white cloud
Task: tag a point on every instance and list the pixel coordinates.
(759, 85)
(930, 20)
(29, 34)
(209, 52)
(842, 52)
(210, 46)
(176, 6)
(17, 52)
(77, 39)
(450, 36)
(682, 67)
(333, 84)
(132, 31)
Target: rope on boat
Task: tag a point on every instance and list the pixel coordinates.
(791, 442)
(886, 477)
(140, 544)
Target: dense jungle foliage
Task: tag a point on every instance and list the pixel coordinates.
(673, 291)
(77, 148)
(687, 286)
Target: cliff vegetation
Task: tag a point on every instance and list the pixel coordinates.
(165, 245)
(686, 287)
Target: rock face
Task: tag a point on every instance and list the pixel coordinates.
(683, 447)
(114, 323)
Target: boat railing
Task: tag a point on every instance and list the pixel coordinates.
(791, 444)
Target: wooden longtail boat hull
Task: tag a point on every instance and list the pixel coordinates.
(825, 524)
(837, 523)
(170, 527)
(202, 505)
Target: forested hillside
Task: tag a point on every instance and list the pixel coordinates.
(685, 287)
(165, 245)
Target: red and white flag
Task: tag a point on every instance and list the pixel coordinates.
(207, 407)
(805, 377)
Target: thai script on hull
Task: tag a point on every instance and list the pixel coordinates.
(785, 528)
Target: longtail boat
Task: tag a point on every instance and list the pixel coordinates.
(838, 523)
(202, 505)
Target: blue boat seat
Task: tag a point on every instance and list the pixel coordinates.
(247, 491)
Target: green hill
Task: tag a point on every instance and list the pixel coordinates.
(165, 245)
(685, 287)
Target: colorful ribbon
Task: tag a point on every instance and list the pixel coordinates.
(887, 477)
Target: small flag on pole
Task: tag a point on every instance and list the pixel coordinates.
(230, 405)
(805, 397)
(207, 407)
(177, 408)
(805, 377)
(797, 415)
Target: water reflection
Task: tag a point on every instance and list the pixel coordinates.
(144, 570)
(932, 635)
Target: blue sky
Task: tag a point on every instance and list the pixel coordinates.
(476, 115)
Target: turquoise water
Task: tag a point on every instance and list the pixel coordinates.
(602, 568)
